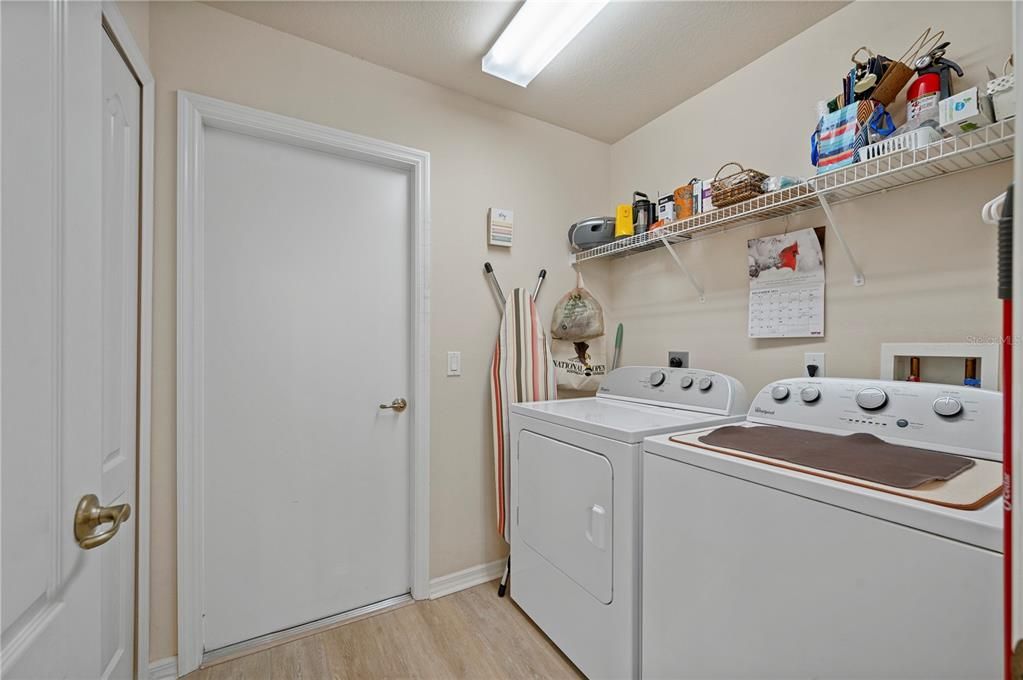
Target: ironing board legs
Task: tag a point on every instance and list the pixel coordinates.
(501, 589)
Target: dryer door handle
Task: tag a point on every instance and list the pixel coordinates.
(597, 532)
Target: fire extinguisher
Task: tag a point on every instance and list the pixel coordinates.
(933, 83)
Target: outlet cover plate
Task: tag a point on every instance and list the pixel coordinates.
(678, 359)
(817, 359)
(454, 364)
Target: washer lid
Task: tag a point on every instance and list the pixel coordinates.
(619, 420)
(981, 528)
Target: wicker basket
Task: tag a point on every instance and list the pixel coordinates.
(740, 186)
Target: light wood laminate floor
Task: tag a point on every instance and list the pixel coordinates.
(470, 634)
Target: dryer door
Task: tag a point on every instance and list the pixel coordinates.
(565, 510)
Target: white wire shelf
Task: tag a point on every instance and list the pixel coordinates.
(985, 146)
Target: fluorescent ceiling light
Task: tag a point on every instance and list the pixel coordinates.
(539, 31)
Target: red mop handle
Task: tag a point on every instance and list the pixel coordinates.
(1007, 478)
(1005, 266)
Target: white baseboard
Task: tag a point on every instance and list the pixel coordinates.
(467, 578)
(164, 669)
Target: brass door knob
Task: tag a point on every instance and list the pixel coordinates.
(398, 405)
(90, 515)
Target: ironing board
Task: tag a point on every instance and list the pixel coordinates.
(522, 370)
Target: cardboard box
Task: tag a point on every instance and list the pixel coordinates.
(707, 198)
(965, 111)
(666, 208)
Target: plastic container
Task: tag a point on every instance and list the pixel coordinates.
(907, 141)
(1002, 91)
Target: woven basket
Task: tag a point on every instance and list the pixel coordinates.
(740, 186)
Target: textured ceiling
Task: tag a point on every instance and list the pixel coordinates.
(635, 61)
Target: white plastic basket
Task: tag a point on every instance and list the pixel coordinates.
(1001, 84)
(1003, 96)
(907, 141)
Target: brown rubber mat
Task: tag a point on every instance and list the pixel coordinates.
(860, 455)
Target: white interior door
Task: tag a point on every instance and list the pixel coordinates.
(305, 311)
(68, 353)
(122, 112)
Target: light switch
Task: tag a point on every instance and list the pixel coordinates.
(454, 363)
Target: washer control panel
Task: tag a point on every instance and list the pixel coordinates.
(688, 388)
(943, 417)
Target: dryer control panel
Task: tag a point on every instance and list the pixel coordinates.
(689, 388)
(942, 417)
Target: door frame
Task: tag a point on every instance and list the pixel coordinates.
(195, 114)
(113, 22)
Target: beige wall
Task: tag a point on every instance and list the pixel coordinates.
(481, 156)
(136, 15)
(928, 260)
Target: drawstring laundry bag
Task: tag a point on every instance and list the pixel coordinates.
(578, 315)
(579, 346)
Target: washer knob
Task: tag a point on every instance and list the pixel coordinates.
(947, 406)
(687, 382)
(871, 398)
(780, 392)
(809, 394)
(657, 378)
(705, 384)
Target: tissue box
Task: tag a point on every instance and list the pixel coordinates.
(965, 111)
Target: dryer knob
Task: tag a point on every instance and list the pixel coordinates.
(687, 382)
(871, 398)
(809, 394)
(657, 378)
(705, 384)
(948, 406)
(780, 392)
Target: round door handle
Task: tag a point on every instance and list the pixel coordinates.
(90, 515)
(398, 405)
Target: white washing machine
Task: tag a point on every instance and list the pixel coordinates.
(752, 570)
(576, 495)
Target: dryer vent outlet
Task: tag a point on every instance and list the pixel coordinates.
(678, 359)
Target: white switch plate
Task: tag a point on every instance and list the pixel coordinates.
(815, 358)
(454, 363)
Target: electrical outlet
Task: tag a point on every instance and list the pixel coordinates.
(814, 359)
(678, 359)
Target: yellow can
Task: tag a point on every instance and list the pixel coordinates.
(623, 221)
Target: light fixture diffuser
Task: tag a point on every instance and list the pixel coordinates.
(537, 33)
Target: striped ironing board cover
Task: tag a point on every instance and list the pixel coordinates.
(522, 370)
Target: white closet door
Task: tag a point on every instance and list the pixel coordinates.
(305, 306)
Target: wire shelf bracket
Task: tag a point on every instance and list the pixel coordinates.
(858, 278)
(685, 270)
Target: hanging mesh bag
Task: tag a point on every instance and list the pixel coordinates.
(578, 315)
